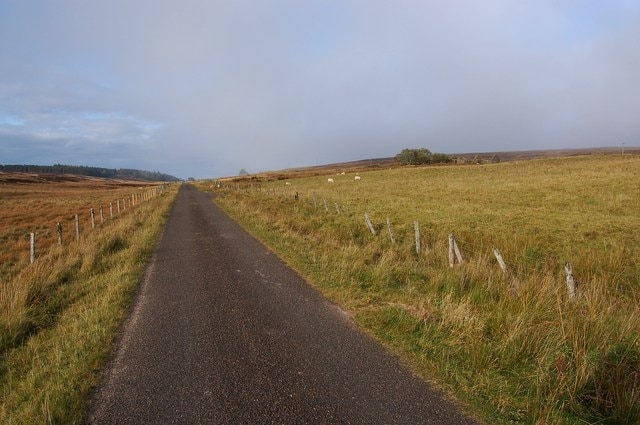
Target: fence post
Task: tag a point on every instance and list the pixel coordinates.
(393, 239)
(457, 251)
(369, 224)
(501, 262)
(110, 209)
(32, 248)
(326, 208)
(118, 205)
(101, 216)
(571, 283)
(454, 251)
(315, 203)
(515, 283)
(416, 227)
(59, 226)
(77, 228)
(451, 253)
(93, 219)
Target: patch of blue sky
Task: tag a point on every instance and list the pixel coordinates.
(140, 123)
(148, 126)
(11, 120)
(591, 19)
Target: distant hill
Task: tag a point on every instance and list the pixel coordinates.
(106, 173)
(459, 158)
(469, 157)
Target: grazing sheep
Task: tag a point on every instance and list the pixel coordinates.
(330, 180)
(357, 178)
(288, 183)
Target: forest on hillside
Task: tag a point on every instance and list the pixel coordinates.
(107, 173)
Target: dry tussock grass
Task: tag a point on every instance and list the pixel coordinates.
(35, 203)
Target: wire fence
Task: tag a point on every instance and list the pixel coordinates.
(74, 228)
(515, 270)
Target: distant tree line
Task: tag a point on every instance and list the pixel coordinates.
(422, 156)
(107, 173)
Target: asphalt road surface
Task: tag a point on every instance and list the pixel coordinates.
(223, 332)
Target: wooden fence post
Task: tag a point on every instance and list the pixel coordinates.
(118, 205)
(515, 283)
(452, 258)
(110, 209)
(32, 248)
(77, 228)
(393, 239)
(369, 224)
(501, 262)
(571, 283)
(454, 251)
(416, 227)
(315, 203)
(59, 226)
(457, 251)
(93, 219)
(101, 216)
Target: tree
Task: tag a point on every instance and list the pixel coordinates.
(421, 156)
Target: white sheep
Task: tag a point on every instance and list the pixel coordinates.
(330, 180)
(357, 178)
(288, 183)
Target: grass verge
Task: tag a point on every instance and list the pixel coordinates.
(61, 314)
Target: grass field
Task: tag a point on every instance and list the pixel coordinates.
(513, 347)
(35, 203)
(59, 316)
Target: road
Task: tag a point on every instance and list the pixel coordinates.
(223, 332)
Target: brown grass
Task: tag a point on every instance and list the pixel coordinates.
(37, 202)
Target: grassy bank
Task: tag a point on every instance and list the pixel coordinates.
(60, 315)
(513, 347)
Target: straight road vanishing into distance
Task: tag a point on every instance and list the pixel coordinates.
(223, 332)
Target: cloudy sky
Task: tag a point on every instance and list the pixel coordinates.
(203, 88)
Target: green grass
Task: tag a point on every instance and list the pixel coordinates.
(526, 357)
(60, 316)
